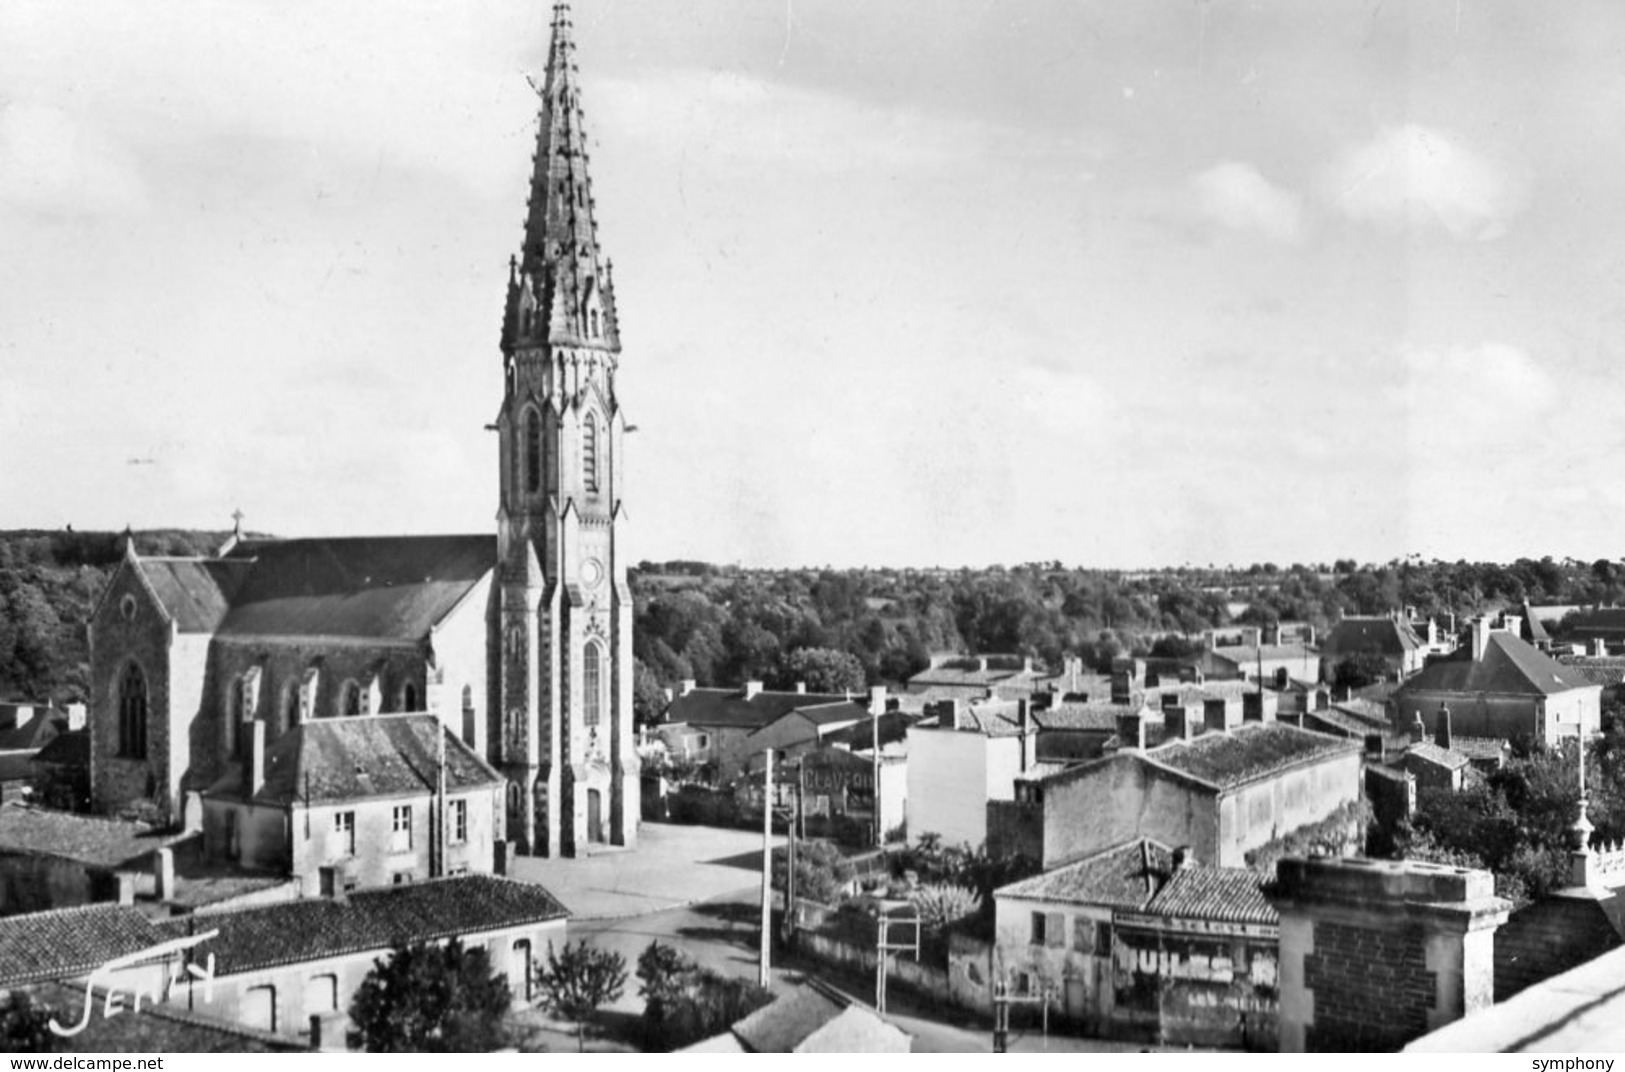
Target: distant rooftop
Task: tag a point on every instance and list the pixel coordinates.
(1250, 751)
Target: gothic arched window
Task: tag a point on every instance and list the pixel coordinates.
(533, 451)
(409, 697)
(592, 315)
(592, 684)
(132, 713)
(589, 453)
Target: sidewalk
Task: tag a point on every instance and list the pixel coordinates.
(671, 866)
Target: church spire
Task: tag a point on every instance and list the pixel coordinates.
(560, 292)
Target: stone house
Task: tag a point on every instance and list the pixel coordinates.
(281, 967)
(1140, 941)
(965, 757)
(980, 677)
(1221, 793)
(714, 726)
(1501, 687)
(340, 804)
(1388, 637)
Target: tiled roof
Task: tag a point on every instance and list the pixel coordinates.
(952, 675)
(196, 592)
(1122, 877)
(1247, 752)
(1384, 635)
(1220, 894)
(335, 759)
(1370, 712)
(155, 1029)
(68, 942)
(994, 719)
(1509, 666)
(1428, 752)
(1340, 721)
(1084, 716)
(315, 928)
(825, 714)
(729, 707)
(893, 727)
(783, 1025)
(1244, 655)
(1479, 748)
(1188, 693)
(86, 838)
(393, 587)
(1604, 670)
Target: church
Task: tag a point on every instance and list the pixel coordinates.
(518, 642)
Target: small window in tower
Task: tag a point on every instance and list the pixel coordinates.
(132, 711)
(589, 453)
(592, 684)
(533, 451)
(592, 315)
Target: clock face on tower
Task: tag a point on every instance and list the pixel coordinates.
(592, 571)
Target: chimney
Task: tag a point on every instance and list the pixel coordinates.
(667, 694)
(752, 689)
(1074, 672)
(1512, 623)
(76, 716)
(1599, 649)
(256, 757)
(801, 688)
(1419, 731)
(1024, 716)
(1441, 728)
(981, 663)
(1181, 723)
(877, 700)
(1184, 857)
(1131, 730)
(1481, 637)
(163, 873)
(687, 686)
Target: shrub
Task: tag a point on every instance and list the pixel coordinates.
(940, 904)
(684, 1003)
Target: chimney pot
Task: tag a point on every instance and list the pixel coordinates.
(687, 685)
(752, 689)
(1441, 730)
(801, 687)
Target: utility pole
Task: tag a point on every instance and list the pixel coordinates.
(788, 927)
(1002, 1000)
(764, 971)
(885, 946)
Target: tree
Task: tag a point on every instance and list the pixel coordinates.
(25, 1025)
(684, 1003)
(432, 998)
(576, 982)
(822, 670)
(648, 698)
(1360, 669)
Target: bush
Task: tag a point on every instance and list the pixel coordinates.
(940, 904)
(434, 998)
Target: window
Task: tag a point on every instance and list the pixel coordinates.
(321, 995)
(400, 878)
(290, 707)
(1103, 939)
(459, 822)
(468, 715)
(350, 700)
(1083, 936)
(409, 697)
(344, 827)
(1040, 922)
(533, 451)
(132, 713)
(589, 453)
(231, 732)
(702, 742)
(592, 684)
(1055, 930)
(400, 836)
(592, 315)
(234, 846)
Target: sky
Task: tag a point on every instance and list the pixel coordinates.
(1119, 284)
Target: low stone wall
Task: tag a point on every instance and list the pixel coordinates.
(964, 981)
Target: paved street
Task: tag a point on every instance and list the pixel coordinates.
(672, 866)
(698, 889)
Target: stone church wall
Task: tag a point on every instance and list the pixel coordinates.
(126, 629)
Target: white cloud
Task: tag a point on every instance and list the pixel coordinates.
(51, 163)
(1234, 194)
(1474, 399)
(1419, 176)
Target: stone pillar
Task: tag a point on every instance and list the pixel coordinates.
(1375, 953)
(163, 873)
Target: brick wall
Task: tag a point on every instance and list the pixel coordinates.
(1384, 989)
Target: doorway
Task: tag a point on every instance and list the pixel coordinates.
(595, 815)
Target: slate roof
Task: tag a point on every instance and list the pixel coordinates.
(893, 727)
(1552, 935)
(728, 708)
(155, 1029)
(362, 757)
(1125, 876)
(1379, 634)
(394, 587)
(1244, 655)
(1248, 752)
(998, 719)
(1510, 666)
(783, 1025)
(1219, 894)
(1428, 752)
(37, 732)
(70, 749)
(295, 932)
(195, 591)
(1608, 620)
(67, 942)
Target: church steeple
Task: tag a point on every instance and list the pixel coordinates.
(560, 291)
